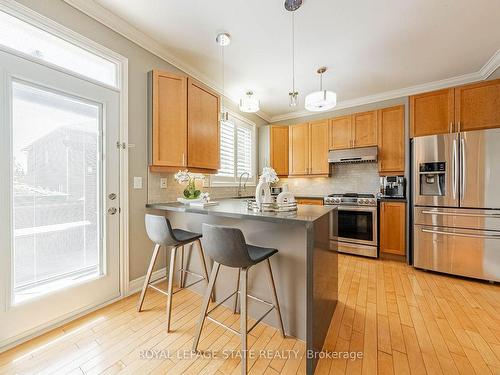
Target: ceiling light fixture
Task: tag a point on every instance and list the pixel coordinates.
(223, 40)
(249, 103)
(321, 100)
(292, 6)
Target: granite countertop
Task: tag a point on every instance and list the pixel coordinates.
(237, 208)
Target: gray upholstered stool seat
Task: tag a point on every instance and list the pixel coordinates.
(258, 254)
(227, 247)
(160, 231)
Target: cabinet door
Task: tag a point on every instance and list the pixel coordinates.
(391, 141)
(203, 127)
(392, 228)
(299, 150)
(477, 106)
(340, 133)
(169, 118)
(318, 147)
(279, 149)
(432, 113)
(364, 127)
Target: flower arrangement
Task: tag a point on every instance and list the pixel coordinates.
(183, 176)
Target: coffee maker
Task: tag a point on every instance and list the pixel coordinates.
(392, 186)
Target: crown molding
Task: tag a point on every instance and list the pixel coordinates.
(487, 70)
(122, 27)
(117, 24)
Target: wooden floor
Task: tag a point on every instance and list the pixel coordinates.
(404, 321)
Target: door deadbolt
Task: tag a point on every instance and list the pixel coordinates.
(112, 196)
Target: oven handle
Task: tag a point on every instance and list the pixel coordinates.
(492, 216)
(459, 234)
(357, 208)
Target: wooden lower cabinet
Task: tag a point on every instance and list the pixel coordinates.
(393, 228)
(312, 201)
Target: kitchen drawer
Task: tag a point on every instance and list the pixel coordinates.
(458, 218)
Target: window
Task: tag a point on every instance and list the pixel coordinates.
(39, 44)
(237, 151)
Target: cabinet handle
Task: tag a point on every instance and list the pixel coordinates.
(183, 159)
(451, 127)
(459, 126)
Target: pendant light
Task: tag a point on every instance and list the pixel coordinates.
(249, 103)
(292, 6)
(223, 40)
(321, 100)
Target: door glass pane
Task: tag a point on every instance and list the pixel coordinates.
(26, 38)
(356, 225)
(56, 189)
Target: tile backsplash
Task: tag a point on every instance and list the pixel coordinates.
(174, 189)
(345, 178)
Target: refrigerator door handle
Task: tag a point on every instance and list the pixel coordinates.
(460, 234)
(463, 161)
(491, 216)
(454, 169)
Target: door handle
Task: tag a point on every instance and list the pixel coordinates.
(463, 161)
(460, 234)
(112, 196)
(491, 216)
(112, 210)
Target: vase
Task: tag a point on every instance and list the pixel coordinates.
(190, 192)
(263, 193)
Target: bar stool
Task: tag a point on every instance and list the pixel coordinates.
(227, 247)
(161, 233)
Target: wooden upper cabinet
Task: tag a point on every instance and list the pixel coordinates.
(432, 113)
(340, 133)
(477, 106)
(393, 228)
(364, 129)
(318, 147)
(391, 140)
(299, 150)
(169, 119)
(203, 130)
(279, 149)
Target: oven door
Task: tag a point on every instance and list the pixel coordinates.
(357, 224)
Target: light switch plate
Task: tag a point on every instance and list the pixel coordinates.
(137, 182)
(163, 183)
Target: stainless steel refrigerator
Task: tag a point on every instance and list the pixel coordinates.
(456, 198)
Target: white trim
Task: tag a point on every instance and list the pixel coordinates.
(491, 65)
(119, 25)
(136, 285)
(111, 20)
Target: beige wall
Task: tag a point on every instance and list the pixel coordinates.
(140, 62)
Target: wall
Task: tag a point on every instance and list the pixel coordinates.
(140, 62)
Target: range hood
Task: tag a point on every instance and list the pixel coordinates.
(353, 155)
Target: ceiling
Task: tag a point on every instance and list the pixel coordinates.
(371, 48)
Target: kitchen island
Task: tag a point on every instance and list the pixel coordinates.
(305, 269)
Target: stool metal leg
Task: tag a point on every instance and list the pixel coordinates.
(243, 320)
(204, 264)
(181, 272)
(170, 286)
(205, 303)
(235, 308)
(148, 276)
(275, 297)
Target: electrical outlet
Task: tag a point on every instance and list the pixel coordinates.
(163, 183)
(137, 182)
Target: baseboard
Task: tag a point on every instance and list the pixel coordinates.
(136, 285)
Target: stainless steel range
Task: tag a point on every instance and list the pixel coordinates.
(357, 223)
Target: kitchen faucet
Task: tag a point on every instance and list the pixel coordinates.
(244, 185)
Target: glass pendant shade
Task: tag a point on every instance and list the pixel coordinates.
(294, 98)
(249, 103)
(319, 101)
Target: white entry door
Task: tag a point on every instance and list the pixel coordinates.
(59, 194)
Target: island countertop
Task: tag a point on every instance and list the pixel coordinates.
(237, 208)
